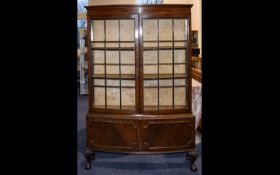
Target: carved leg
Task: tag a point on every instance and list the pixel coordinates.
(89, 155)
(192, 156)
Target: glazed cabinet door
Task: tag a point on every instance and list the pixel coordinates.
(114, 64)
(164, 59)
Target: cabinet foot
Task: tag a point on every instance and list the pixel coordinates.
(192, 156)
(89, 155)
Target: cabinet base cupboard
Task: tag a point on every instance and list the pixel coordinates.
(139, 80)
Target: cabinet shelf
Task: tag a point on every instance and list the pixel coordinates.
(153, 41)
(130, 64)
(155, 64)
(114, 107)
(114, 64)
(165, 48)
(146, 76)
(115, 76)
(114, 86)
(175, 86)
(112, 41)
(161, 107)
(163, 76)
(113, 48)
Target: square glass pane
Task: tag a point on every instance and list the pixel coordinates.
(98, 45)
(149, 44)
(149, 83)
(165, 44)
(112, 56)
(112, 69)
(129, 45)
(113, 98)
(129, 83)
(127, 57)
(98, 56)
(179, 56)
(112, 32)
(150, 98)
(165, 29)
(128, 98)
(98, 69)
(168, 82)
(127, 30)
(165, 69)
(180, 69)
(180, 29)
(180, 97)
(165, 98)
(150, 69)
(99, 82)
(150, 57)
(127, 69)
(99, 97)
(165, 56)
(112, 45)
(113, 82)
(180, 82)
(97, 32)
(150, 30)
(179, 44)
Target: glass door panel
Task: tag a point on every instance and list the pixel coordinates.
(165, 68)
(113, 54)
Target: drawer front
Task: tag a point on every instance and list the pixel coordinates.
(168, 135)
(112, 135)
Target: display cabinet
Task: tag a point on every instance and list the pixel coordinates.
(139, 80)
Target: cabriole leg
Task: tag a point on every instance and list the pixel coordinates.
(192, 156)
(89, 155)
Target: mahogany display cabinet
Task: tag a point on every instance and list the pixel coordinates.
(139, 80)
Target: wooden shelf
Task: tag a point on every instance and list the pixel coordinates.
(146, 76)
(112, 41)
(163, 76)
(115, 76)
(161, 107)
(165, 86)
(114, 86)
(165, 48)
(114, 107)
(114, 64)
(112, 48)
(149, 41)
(146, 108)
(155, 64)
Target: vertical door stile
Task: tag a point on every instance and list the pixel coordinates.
(140, 63)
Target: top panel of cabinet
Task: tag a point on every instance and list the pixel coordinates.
(167, 10)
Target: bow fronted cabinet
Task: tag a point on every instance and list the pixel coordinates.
(140, 80)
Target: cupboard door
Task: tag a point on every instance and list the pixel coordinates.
(167, 135)
(114, 60)
(112, 134)
(165, 60)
